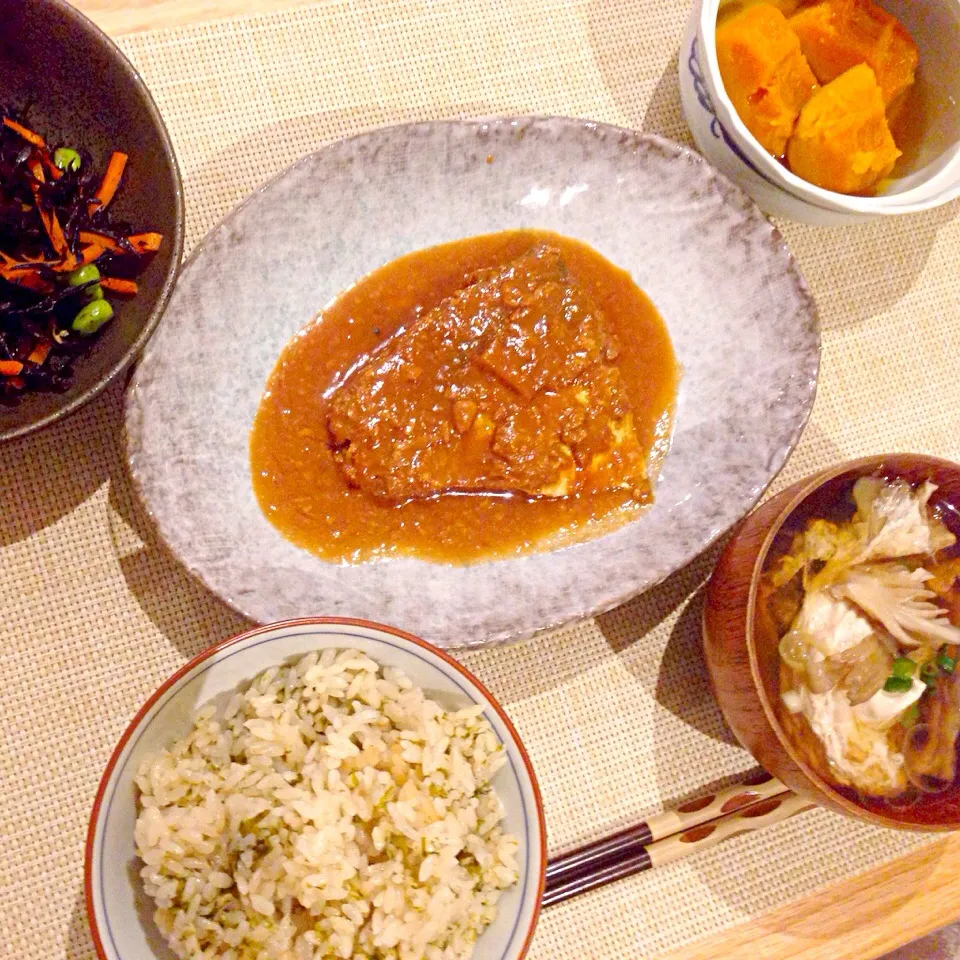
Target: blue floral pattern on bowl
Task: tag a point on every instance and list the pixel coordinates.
(706, 101)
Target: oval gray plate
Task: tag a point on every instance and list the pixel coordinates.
(743, 326)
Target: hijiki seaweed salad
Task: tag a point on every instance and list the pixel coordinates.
(62, 256)
(868, 611)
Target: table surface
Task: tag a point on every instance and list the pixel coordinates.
(875, 912)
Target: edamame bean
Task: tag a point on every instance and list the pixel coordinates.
(84, 275)
(92, 317)
(66, 159)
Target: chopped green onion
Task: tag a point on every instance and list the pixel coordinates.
(945, 663)
(904, 668)
(898, 684)
(929, 674)
(910, 716)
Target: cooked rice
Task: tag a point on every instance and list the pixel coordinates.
(331, 810)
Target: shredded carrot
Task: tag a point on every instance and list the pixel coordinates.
(32, 281)
(27, 263)
(37, 261)
(25, 276)
(36, 168)
(49, 219)
(111, 180)
(57, 239)
(126, 287)
(91, 252)
(88, 254)
(55, 232)
(141, 242)
(40, 351)
(10, 368)
(27, 135)
(52, 168)
(31, 264)
(98, 239)
(146, 242)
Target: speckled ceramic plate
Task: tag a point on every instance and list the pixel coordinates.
(742, 323)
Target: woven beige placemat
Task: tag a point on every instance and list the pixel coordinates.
(616, 712)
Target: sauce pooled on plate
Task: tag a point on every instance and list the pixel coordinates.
(483, 398)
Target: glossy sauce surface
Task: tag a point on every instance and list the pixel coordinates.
(306, 496)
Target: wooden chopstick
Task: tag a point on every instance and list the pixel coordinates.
(757, 786)
(696, 825)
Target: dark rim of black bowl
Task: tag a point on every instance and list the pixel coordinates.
(133, 351)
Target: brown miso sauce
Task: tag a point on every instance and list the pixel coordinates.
(301, 489)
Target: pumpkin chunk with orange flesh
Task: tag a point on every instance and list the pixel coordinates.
(764, 73)
(836, 35)
(508, 386)
(842, 141)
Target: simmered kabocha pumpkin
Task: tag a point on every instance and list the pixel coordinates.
(817, 83)
(764, 73)
(842, 141)
(836, 35)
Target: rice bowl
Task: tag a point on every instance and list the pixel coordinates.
(378, 819)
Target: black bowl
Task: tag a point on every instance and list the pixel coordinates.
(81, 90)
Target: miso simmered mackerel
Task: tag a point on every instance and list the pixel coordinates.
(490, 396)
(505, 387)
(867, 602)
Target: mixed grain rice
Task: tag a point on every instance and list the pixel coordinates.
(330, 810)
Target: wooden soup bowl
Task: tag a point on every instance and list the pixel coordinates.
(742, 657)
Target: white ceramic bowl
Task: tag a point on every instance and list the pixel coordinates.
(932, 179)
(120, 914)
